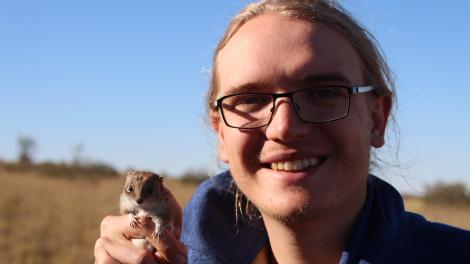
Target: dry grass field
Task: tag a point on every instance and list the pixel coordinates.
(453, 215)
(55, 220)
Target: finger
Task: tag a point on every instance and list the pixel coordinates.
(118, 228)
(169, 248)
(127, 253)
(101, 256)
(116, 233)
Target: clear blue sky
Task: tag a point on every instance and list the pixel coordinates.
(127, 80)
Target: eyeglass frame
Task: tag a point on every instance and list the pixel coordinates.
(351, 90)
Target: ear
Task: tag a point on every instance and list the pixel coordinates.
(160, 178)
(217, 125)
(380, 111)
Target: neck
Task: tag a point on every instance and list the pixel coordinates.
(317, 240)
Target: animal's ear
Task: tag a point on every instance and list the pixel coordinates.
(160, 178)
(130, 172)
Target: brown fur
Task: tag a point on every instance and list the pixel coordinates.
(142, 197)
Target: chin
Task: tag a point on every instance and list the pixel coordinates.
(294, 207)
(291, 215)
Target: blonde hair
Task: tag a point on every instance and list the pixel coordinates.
(375, 69)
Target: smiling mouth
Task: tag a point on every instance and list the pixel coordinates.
(295, 165)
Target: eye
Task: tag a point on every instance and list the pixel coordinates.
(130, 188)
(248, 102)
(323, 92)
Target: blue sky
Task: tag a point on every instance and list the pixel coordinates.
(127, 80)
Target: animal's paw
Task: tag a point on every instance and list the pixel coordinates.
(160, 230)
(157, 235)
(135, 222)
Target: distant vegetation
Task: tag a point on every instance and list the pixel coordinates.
(66, 170)
(88, 171)
(193, 176)
(27, 146)
(447, 194)
(78, 167)
(74, 169)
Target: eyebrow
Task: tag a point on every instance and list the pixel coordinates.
(324, 78)
(251, 87)
(304, 81)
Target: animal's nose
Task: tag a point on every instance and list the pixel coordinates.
(140, 200)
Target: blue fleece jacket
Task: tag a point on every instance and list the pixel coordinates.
(384, 232)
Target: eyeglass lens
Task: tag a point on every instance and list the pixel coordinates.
(253, 110)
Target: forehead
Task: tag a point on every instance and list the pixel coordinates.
(277, 50)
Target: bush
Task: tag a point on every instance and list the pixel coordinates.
(15, 167)
(71, 171)
(447, 193)
(92, 170)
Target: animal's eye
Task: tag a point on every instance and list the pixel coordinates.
(130, 189)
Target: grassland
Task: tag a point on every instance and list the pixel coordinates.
(453, 215)
(56, 220)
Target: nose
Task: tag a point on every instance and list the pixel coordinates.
(140, 200)
(286, 125)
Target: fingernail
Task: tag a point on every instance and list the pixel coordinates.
(180, 259)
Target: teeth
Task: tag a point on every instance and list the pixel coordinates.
(294, 165)
(288, 166)
(305, 163)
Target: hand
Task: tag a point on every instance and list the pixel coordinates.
(115, 246)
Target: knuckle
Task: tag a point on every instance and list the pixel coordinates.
(105, 224)
(105, 241)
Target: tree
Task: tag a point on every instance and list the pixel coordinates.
(27, 146)
(77, 153)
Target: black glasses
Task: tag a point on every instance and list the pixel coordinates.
(312, 105)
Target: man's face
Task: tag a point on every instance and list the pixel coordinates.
(274, 54)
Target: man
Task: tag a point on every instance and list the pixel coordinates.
(298, 98)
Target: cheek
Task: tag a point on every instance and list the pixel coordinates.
(242, 148)
(351, 136)
(349, 164)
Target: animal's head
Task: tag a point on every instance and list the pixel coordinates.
(142, 185)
